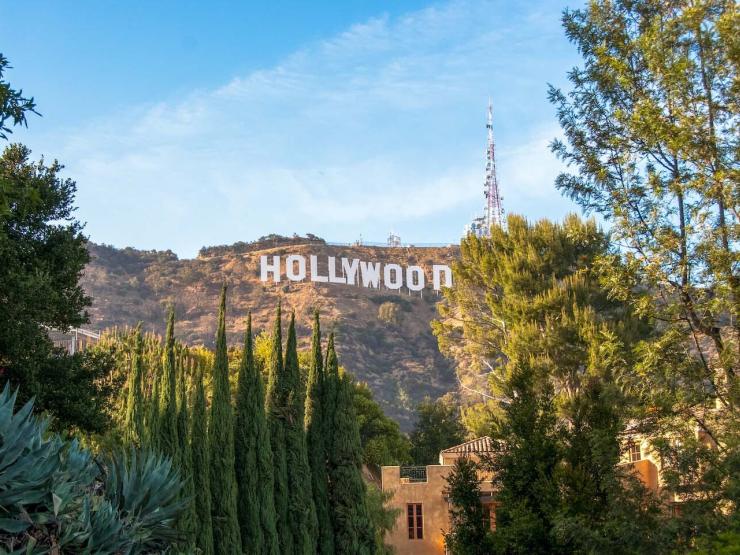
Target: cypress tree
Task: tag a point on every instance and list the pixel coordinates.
(301, 510)
(317, 454)
(331, 382)
(353, 531)
(152, 420)
(275, 403)
(168, 393)
(469, 533)
(186, 524)
(135, 403)
(201, 469)
(221, 442)
(524, 466)
(253, 456)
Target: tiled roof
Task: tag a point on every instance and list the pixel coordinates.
(478, 445)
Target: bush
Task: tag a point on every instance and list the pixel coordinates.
(390, 313)
(54, 496)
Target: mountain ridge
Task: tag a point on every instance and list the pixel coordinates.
(383, 335)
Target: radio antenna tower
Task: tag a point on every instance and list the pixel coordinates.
(494, 210)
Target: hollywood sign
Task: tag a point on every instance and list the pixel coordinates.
(352, 271)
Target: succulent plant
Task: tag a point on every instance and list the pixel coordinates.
(56, 498)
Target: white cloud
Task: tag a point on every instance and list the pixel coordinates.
(380, 126)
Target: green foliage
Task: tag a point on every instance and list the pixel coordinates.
(43, 254)
(383, 443)
(13, 105)
(253, 456)
(187, 521)
(221, 446)
(275, 407)
(54, 497)
(301, 509)
(383, 519)
(316, 444)
(135, 406)
(604, 509)
(168, 440)
(353, 530)
(390, 313)
(651, 127)
(468, 533)
(437, 427)
(201, 468)
(524, 466)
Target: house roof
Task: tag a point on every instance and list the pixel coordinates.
(478, 445)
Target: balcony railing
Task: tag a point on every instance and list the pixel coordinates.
(414, 474)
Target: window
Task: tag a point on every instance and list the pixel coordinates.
(415, 521)
(633, 451)
(489, 516)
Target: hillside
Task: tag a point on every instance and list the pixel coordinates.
(391, 348)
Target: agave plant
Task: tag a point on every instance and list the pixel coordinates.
(55, 498)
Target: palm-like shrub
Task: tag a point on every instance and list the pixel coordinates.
(55, 497)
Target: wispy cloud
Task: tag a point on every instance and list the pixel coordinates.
(380, 126)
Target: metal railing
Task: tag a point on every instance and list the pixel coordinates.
(414, 473)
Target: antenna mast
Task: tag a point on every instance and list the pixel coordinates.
(494, 210)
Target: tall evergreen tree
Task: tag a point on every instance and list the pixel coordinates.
(275, 407)
(253, 456)
(168, 440)
(524, 466)
(201, 468)
(135, 405)
(469, 534)
(317, 453)
(186, 522)
(221, 442)
(353, 530)
(604, 508)
(301, 510)
(331, 384)
(438, 426)
(152, 415)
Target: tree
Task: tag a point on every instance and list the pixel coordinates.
(383, 443)
(529, 303)
(135, 406)
(437, 427)
(168, 440)
(153, 419)
(382, 518)
(43, 254)
(468, 533)
(13, 105)
(603, 507)
(301, 509)
(524, 465)
(275, 407)
(253, 456)
(315, 442)
(201, 468)
(651, 127)
(331, 382)
(221, 445)
(353, 530)
(187, 522)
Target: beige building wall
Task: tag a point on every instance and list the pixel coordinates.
(435, 510)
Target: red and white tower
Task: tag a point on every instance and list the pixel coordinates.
(494, 209)
(493, 212)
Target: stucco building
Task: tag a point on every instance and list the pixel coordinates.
(419, 493)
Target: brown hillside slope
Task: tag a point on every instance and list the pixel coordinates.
(392, 349)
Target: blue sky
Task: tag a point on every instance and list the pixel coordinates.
(199, 123)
